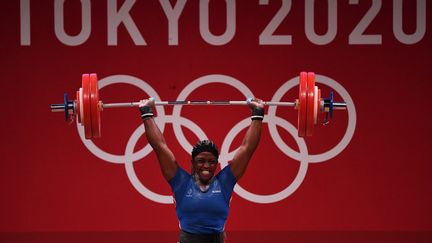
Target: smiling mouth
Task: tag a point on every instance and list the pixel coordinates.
(205, 172)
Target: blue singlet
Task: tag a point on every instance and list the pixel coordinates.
(202, 212)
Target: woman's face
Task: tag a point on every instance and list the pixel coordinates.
(204, 165)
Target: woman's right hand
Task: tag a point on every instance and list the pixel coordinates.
(147, 102)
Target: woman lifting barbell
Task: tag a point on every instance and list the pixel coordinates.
(202, 198)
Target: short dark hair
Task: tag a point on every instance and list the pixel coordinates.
(205, 146)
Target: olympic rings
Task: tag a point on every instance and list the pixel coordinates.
(225, 155)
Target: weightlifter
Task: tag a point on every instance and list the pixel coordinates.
(202, 198)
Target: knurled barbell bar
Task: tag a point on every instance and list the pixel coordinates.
(87, 106)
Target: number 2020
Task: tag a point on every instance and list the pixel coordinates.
(357, 36)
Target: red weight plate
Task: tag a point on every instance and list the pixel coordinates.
(77, 107)
(318, 105)
(81, 106)
(315, 105)
(310, 103)
(86, 117)
(302, 105)
(94, 105)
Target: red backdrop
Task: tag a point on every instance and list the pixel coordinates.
(51, 181)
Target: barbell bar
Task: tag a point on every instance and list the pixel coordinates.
(87, 105)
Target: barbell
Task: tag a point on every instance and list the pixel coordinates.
(87, 105)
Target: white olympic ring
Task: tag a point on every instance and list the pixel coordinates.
(119, 159)
(334, 151)
(129, 152)
(225, 155)
(196, 84)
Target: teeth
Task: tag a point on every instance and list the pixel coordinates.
(205, 172)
